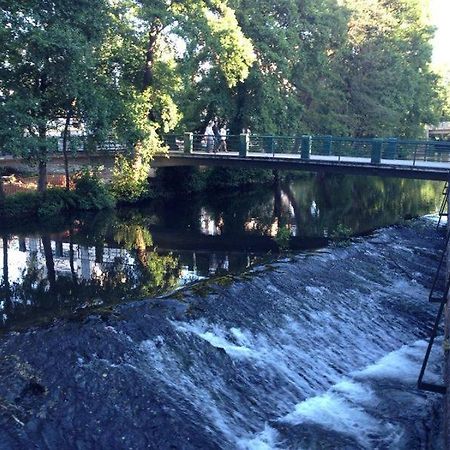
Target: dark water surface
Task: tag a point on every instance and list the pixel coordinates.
(319, 350)
(95, 261)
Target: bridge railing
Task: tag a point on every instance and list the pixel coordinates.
(332, 148)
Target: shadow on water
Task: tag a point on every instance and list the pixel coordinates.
(95, 261)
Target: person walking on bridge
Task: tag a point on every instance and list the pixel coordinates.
(223, 138)
(216, 132)
(209, 136)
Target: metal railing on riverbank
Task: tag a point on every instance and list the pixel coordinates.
(441, 298)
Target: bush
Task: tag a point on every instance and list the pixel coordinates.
(91, 192)
(56, 201)
(20, 205)
(283, 238)
(341, 233)
(129, 182)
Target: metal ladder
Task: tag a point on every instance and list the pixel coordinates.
(440, 298)
(444, 204)
(439, 388)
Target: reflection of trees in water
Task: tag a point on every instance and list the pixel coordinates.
(315, 205)
(158, 272)
(43, 292)
(359, 203)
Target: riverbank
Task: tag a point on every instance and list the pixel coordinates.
(319, 350)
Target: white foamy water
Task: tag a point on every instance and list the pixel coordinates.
(348, 407)
(327, 357)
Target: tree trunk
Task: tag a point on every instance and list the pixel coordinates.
(6, 271)
(66, 135)
(72, 258)
(5, 261)
(2, 192)
(148, 79)
(42, 166)
(150, 58)
(49, 261)
(42, 180)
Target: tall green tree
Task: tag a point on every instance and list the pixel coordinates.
(391, 89)
(349, 67)
(161, 48)
(48, 52)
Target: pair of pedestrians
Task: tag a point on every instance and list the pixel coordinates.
(216, 137)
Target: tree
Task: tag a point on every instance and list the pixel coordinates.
(390, 87)
(48, 52)
(325, 67)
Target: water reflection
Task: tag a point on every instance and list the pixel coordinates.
(96, 261)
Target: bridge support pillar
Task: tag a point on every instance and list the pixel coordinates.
(306, 147)
(244, 141)
(188, 143)
(375, 156)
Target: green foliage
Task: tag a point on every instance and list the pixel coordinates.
(56, 201)
(20, 205)
(325, 67)
(283, 238)
(130, 71)
(130, 179)
(48, 62)
(91, 193)
(341, 233)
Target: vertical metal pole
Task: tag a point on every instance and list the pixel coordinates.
(272, 145)
(243, 145)
(188, 143)
(391, 151)
(326, 148)
(377, 144)
(306, 147)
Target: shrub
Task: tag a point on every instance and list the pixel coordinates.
(91, 192)
(56, 201)
(283, 237)
(341, 233)
(22, 204)
(129, 181)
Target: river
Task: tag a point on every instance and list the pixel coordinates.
(178, 326)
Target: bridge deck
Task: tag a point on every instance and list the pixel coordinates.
(400, 168)
(420, 169)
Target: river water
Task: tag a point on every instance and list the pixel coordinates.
(177, 327)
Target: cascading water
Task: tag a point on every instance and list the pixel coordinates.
(318, 351)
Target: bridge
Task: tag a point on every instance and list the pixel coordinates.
(419, 159)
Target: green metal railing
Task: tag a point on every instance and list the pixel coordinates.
(304, 147)
(330, 148)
